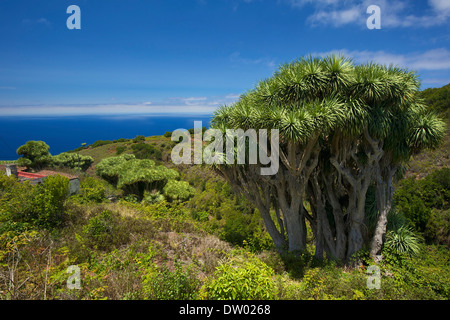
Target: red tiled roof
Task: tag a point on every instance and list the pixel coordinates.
(29, 175)
(47, 173)
(43, 174)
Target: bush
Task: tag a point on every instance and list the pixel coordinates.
(241, 279)
(164, 284)
(168, 134)
(16, 209)
(120, 150)
(103, 231)
(139, 138)
(152, 197)
(99, 143)
(146, 151)
(438, 227)
(417, 199)
(91, 190)
(41, 206)
(403, 242)
(49, 201)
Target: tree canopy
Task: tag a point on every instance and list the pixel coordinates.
(72, 160)
(343, 128)
(135, 176)
(35, 155)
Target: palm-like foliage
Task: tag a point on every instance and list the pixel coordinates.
(134, 176)
(403, 241)
(342, 128)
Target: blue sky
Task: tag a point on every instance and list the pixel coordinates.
(190, 56)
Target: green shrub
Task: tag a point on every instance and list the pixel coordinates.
(41, 206)
(180, 284)
(101, 231)
(91, 190)
(120, 150)
(247, 229)
(152, 197)
(178, 190)
(146, 151)
(416, 200)
(438, 227)
(241, 279)
(200, 215)
(99, 143)
(403, 241)
(168, 134)
(139, 138)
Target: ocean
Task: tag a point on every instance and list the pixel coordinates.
(64, 133)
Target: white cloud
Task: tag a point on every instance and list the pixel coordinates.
(393, 13)
(41, 21)
(191, 101)
(107, 109)
(435, 59)
(440, 5)
(171, 106)
(237, 58)
(336, 17)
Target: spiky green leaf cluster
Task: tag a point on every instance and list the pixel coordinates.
(332, 95)
(134, 176)
(72, 160)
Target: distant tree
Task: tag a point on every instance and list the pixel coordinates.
(73, 161)
(135, 176)
(35, 155)
(109, 168)
(139, 138)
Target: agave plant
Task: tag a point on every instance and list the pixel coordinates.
(403, 241)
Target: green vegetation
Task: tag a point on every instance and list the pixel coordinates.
(72, 160)
(35, 155)
(426, 204)
(146, 151)
(24, 205)
(244, 277)
(178, 190)
(141, 229)
(343, 129)
(438, 99)
(135, 176)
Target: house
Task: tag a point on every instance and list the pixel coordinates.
(38, 177)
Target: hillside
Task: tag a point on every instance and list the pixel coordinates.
(210, 245)
(438, 99)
